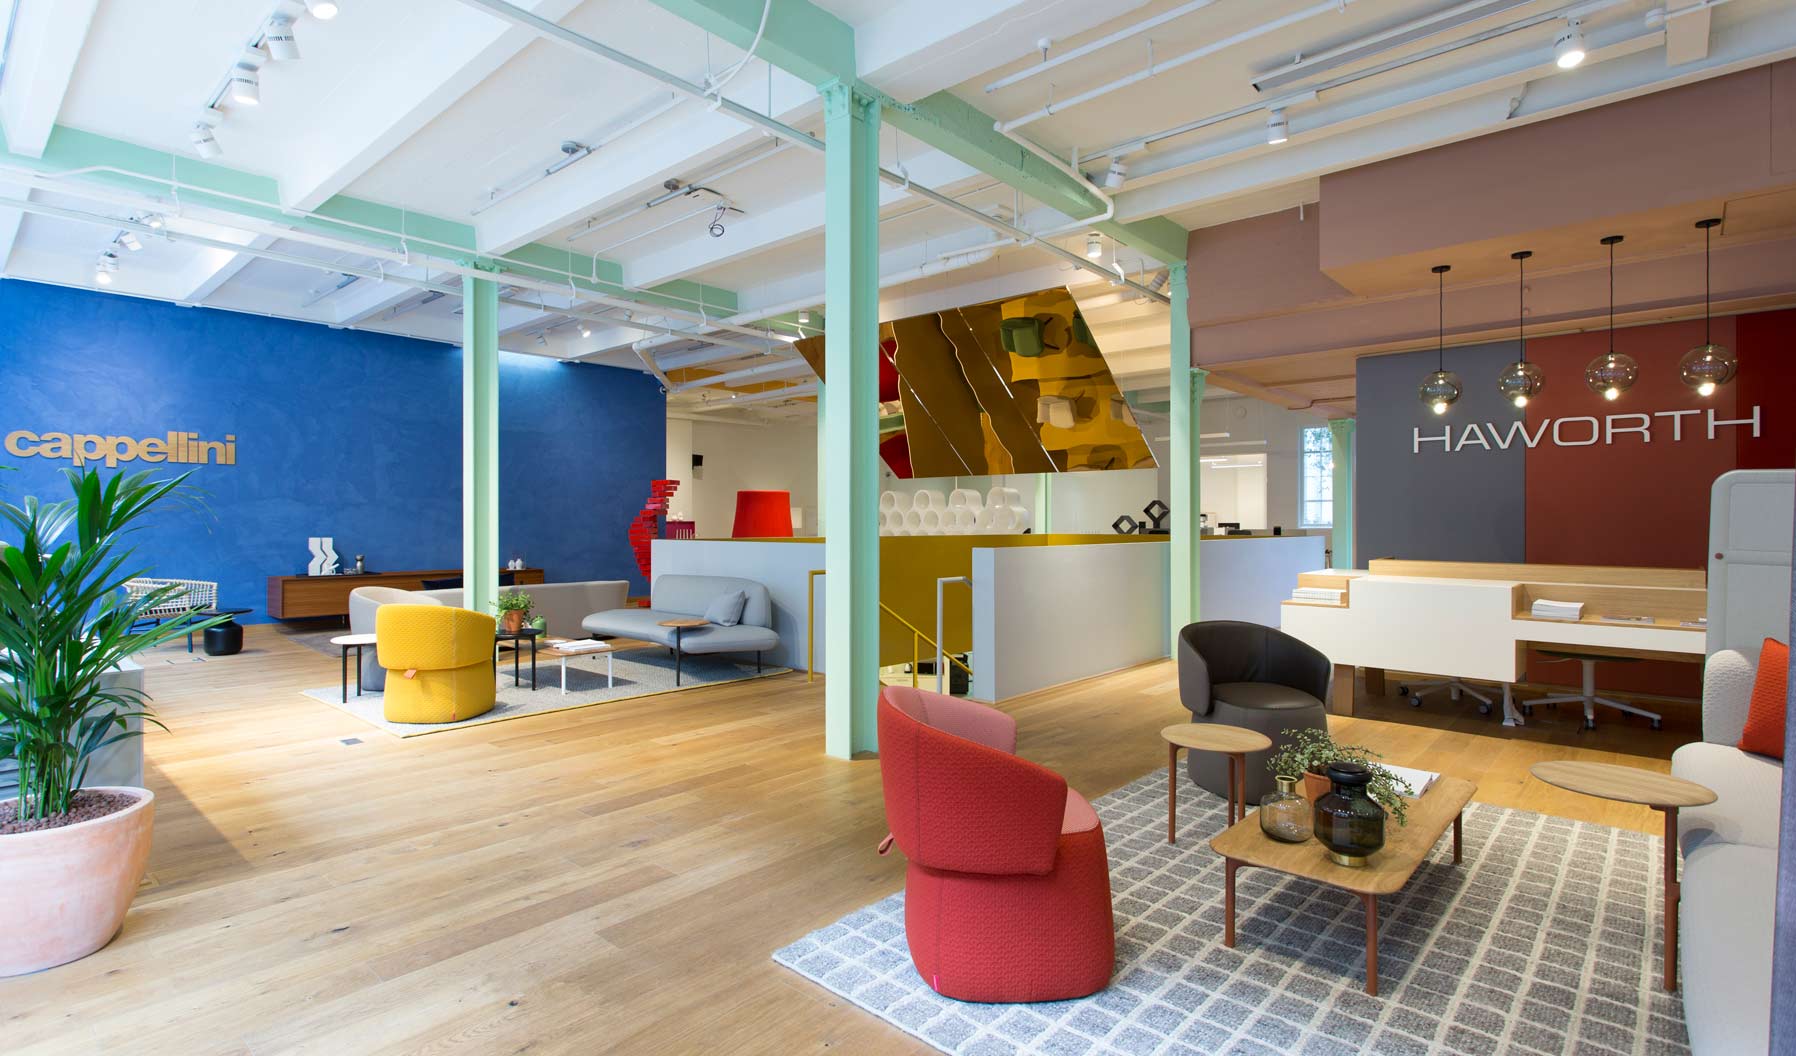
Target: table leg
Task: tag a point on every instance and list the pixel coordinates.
(1371, 902)
(1172, 793)
(564, 676)
(677, 656)
(1232, 784)
(517, 658)
(1229, 865)
(1340, 696)
(345, 656)
(1241, 776)
(358, 670)
(1672, 892)
(533, 664)
(1457, 837)
(609, 683)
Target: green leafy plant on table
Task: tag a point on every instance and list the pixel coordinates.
(1310, 752)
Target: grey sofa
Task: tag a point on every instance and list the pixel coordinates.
(674, 596)
(362, 602)
(1260, 678)
(1730, 870)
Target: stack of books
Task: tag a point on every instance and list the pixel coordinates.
(1419, 781)
(1557, 610)
(1324, 595)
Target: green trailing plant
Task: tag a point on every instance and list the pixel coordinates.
(1310, 752)
(66, 622)
(513, 601)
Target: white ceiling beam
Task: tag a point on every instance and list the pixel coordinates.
(368, 298)
(432, 65)
(46, 45)
(11, 221)
(211, 268)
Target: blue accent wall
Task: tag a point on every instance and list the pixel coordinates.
(344, 433)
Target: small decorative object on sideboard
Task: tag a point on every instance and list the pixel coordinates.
(1285, 815)
(514, 607)
(361, 566)
(324, 556)
(1348, 822)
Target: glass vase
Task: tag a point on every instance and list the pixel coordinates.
(1348, 822)
(1285, 815)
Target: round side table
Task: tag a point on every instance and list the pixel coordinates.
(680, 626)
(1663, 793)
(1232, 741)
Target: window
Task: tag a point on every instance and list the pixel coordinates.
(1316, 503)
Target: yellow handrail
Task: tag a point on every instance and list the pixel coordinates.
(916, 641)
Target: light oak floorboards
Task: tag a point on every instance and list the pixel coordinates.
(611, 879)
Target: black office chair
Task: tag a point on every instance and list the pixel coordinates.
(1260, 678)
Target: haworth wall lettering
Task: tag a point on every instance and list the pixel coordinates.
(85, 448)
(1582, 431)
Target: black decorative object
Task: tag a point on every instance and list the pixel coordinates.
(1125, 525)
(225, 639)
(1348, 822)
(1156, 513)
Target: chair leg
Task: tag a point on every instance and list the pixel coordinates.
(757, 661)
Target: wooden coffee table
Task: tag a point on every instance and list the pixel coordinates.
(1232, 741)
(1662, 792)
(1405, 846)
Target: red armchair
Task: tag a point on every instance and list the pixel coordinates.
(1007, 896)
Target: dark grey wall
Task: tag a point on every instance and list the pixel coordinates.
(1465, 506)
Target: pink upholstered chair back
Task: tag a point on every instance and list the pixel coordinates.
(957, 799)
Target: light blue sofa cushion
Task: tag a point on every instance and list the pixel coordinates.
(725, 610)
(691, 595)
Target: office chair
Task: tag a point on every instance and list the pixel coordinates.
(1415, 691)
(1589, 697)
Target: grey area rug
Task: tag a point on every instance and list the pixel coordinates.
(1544, 941)
(636, 672)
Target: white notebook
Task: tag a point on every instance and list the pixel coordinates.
(1419, 780)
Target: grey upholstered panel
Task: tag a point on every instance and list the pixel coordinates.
(1746, 791)
(641, 624)
(1726, 909)
(1727, 678)
(644, 625)
(742, 638)
(691, 595)
(362, 603)
(564, 605)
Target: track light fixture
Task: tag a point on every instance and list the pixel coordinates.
(1278, 128)
(804, 317)
(1094, 246)
(1117, 175)
(245, 88)
(1441, 389)
(322, 10)
(1708, 366)
(1568, 49)
(154, 221)
(104, 268)
(585, 330)
(129, 240)
(282, 45)
(204, 142)
(1521, 381)
(1613, 373)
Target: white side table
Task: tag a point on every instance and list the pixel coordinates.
(344, 643)
(587, 649)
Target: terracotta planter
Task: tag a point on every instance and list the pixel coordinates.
(68, 889)
(512, 621)
(1315, 786)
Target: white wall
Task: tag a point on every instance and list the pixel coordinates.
(779, 457)
(1246, 419)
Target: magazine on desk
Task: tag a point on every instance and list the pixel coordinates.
(1419, 781)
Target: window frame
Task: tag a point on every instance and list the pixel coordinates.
(1326, 480)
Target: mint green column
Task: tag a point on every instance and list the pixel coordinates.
(1044, 503)
(1187, 483)
(1342, 431)
(480, 444)
(850, 417)
(822, 447)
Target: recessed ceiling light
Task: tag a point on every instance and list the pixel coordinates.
(1568, 50)
(323, 10)
(1278, 129)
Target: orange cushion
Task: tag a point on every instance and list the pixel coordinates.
(1764, 733)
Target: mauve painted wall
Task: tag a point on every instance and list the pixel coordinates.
(343, 433)
(1434, 505)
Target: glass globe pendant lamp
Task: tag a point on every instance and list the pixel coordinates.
(1441, 389)
(1521, 381)
(1708, 366)
(1612, 373)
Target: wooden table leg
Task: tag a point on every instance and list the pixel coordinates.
(1172, 793)
(345, 687)
(1230, 756)
(1241, 776)
(1228, 901)
(1672, 891)
(1371, 902)
(1340, 696)
(1457, 839)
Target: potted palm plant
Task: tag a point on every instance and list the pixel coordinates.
(71, 857)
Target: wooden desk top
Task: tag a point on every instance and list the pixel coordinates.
(1215, 737)
(1629, 784)
(1385, 873)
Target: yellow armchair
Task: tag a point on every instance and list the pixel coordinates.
(439, 662)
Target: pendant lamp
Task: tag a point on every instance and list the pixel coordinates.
(1441, 389)
(1612, 373)
(1708, 366)
(1521, 381)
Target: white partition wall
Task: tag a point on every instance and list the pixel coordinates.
(783, 568)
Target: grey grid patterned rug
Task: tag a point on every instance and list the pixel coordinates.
(1545, 940)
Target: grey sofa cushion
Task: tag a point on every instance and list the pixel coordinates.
(362, 602)
(1263, 696)
(690, 595)
(641, 624)
(1243, 674)
(644, 625)
(1728, 901)
(725, 610)
(1747, 791)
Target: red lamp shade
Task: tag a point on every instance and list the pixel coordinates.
(763, 515)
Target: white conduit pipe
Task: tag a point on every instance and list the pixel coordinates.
(1156, 68)
(808, 388)
(1102, 42)
(554, 31)
(765, 371)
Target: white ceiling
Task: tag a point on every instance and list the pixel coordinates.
(437, 107)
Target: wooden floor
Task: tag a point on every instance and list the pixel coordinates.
(610, 879)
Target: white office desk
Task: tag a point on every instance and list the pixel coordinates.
(1477, 628)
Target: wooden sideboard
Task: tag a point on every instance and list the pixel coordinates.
(309, 597)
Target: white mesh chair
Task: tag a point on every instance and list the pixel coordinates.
(193, 594)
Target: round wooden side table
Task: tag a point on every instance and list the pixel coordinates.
(1233, 742)
(1663, 793)
(680, 626)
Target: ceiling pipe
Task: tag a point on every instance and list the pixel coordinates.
(784, 368)
(688, 187)
(580, 152)
(1396, 36)
(698, 357)
(787, 392)
(1135, 30)
(772, 125)
(1154, 69)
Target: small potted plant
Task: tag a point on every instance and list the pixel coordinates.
(514, 608)
(71, 857)
(1308, 755)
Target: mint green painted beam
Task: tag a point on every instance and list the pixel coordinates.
(801, 38)
(850, 410)
(1187, 468)
(480, 444)
(1343, 432)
